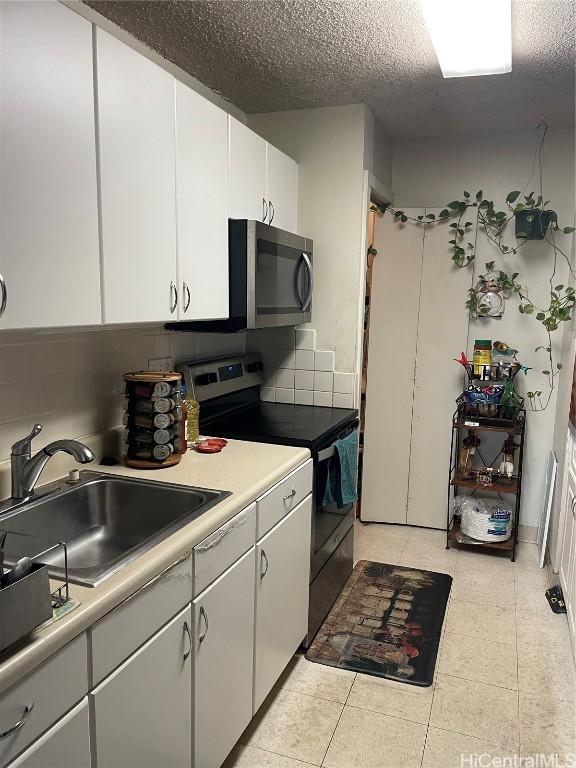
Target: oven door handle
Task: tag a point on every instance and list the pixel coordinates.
(327, 453)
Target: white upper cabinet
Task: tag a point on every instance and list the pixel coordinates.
(202, 206)
(282, 190)
(135, 101)
(247, 173)
(48, 198)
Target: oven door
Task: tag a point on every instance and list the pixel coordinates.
(330, 524)
(282, 277)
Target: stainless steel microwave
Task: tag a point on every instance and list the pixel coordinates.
(270, 279)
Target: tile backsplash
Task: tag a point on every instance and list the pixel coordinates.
(297, 372)
(71, 382)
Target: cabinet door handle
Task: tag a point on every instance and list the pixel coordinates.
(4, 297)
(270, 212)
(264, 209)
(263, 562)
(186, 293)
(187, 630)
(173, 297)
(19, 724)
(203, 615)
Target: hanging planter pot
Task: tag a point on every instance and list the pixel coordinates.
(532, 224)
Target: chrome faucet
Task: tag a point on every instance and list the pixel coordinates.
(26, 468)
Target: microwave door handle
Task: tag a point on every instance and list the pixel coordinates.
(308, 300)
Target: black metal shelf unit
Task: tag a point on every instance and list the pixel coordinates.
(462, 423)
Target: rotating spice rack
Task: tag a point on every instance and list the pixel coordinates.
(511, 422)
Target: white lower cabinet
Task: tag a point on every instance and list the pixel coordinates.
(282, 584)
(142, 713)
(223, 658)
(65, 745)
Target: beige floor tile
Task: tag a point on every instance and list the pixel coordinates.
(537, 623)
(547, 725)
(440, 562)
(526, 557)
(294, 725)
(427, 536)
(546, 669)
(251, 757)
(320, 680)
(379, 553)
(484, 661)
(379, 533)
(445, 749)
(477, 561)
(475, 709)
(530, 589)
(491, 622)
(371, 740)
(376, 694)
(483, 589)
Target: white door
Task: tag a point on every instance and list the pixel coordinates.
(48, 201)
(142, 713)
(202, 206)
(223, 662)
(282, 190)
(247, 177)
(282, 584)
(442, 335)
(567, 571)
(137, 173)
(65, 745)
(395, 296)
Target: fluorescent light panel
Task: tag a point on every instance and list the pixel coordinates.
(471, 37)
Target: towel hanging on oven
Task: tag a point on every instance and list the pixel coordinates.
(341, 480)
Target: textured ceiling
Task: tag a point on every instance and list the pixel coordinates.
(268, 55)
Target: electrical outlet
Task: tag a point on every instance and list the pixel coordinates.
(160, 364)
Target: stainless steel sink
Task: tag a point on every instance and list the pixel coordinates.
(105, 520)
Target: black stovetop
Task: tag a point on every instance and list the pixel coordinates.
(306, 426)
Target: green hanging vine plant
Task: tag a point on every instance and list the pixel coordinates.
(471, 215)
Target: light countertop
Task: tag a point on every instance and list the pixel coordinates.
(243, 468)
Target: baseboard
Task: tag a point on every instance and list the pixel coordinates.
(528, 533)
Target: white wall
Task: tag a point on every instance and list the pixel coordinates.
(328, 144)
(434, 172)
(378, 149)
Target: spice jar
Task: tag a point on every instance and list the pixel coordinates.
(482, 356)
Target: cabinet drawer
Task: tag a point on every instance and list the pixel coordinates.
(221, 549)
(66, 744)
(284, 497)
(127, 627)
(48, 692)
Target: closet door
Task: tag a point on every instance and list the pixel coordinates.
(49, 256)
(394, 304)
(442, 335)
(137, 174)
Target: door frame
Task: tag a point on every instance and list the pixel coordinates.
(372, 189)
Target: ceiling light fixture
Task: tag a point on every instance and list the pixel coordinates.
(470, 37)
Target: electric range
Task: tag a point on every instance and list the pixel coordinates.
(228, 390)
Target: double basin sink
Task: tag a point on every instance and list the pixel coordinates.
(106, 521)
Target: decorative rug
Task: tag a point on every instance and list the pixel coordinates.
(387, 622)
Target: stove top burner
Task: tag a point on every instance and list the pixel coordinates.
(281, 423)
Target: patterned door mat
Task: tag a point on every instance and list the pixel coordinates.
(387, 622)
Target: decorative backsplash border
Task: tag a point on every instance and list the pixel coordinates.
(297, 372)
